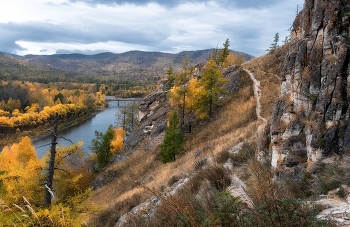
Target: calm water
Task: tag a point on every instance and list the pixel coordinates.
(83, 131)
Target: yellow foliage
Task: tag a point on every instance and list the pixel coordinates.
(72, 173)
(118, 140)
(21, 171)
(32, 118)
(26, 150)
(175, 96)
(233, 59)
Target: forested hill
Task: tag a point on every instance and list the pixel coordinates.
(14, 68)
(132, 65)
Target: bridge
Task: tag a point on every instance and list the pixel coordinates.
(112, 98)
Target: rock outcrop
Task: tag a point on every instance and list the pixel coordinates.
(152, 118)
(311, 116)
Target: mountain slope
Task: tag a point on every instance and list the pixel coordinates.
(304, 93)
(129, 64)
(133, 66)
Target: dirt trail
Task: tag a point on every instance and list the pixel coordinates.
(257, 93)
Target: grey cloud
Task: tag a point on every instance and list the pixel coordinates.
(8, 41)
(65, 33)
(253, 3)
(172, 3)
(86, 52)
(168, 3)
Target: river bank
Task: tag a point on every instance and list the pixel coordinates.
(42, 131)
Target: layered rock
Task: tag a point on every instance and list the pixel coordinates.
(152, 116)
(310, 118)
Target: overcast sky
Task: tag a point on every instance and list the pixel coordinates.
(94, 26)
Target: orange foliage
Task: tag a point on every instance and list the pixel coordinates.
(118, 140)
(33, 118)
(233, 59)
(20, 172)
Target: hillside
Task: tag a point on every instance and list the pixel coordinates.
(132, 65)
(12, 68)
(275, 152)
(287, 109)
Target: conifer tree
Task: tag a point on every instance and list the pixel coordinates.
(212, 82)
(101, 145)
(224, 52)
(178, 94)
(220, 55)
(274, 45)
(170, 77)
(173, 142)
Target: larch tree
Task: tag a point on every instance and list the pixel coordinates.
(212, 82)
(118, 140)
(20, 173)
(178, 94)
(233, 59)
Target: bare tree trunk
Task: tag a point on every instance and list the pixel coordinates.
(49, 181)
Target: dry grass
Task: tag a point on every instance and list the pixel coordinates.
(235, 122)
(268, 70)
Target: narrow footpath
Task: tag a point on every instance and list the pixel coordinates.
(257, 94)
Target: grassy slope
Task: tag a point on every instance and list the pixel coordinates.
(235, 122)
(268, 70)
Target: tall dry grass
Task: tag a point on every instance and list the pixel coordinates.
(268, 69)
(234, 122)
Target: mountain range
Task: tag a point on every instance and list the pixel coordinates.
(132, 65)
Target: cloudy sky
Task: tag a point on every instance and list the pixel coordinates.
(94, 26)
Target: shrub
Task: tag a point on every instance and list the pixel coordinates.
(245, 154)
(341, 193)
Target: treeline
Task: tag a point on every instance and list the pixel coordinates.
(30, 119)
(12, 69)
(25, 105)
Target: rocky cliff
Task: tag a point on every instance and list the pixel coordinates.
(311, 116)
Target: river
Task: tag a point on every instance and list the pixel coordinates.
(84, 131)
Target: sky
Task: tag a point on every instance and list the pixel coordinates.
(95, 26)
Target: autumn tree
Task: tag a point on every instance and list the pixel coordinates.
(212, 82)
(22, 190)
(173, 142)
(72, 174)
(178, 94)
(118, 140)
(233, 59)
(20, 173)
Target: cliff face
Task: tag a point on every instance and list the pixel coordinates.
(311, 116)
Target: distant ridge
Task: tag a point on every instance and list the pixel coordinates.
(12, 55)
(135, 66)
(128, 62)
